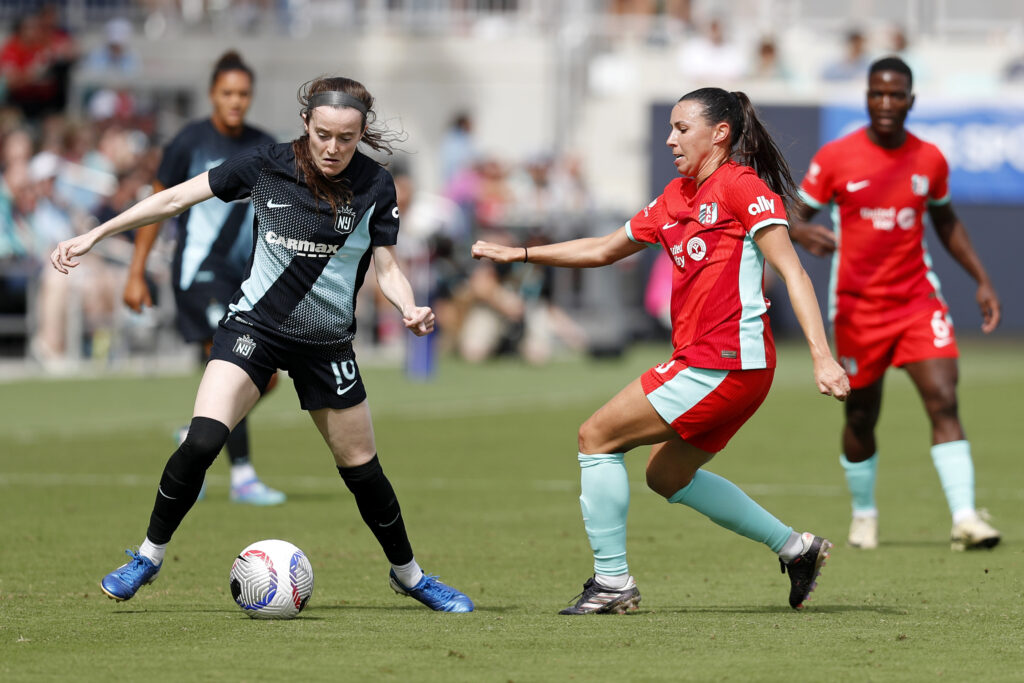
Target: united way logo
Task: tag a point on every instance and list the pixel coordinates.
(708, 213)
(696, 249)
(244, 346)
(919, 185)
(346, 221)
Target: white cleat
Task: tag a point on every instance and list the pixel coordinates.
(863, 533)
(974, 533)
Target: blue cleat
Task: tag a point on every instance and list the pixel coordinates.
(255, 492)
(434, 594)
(126, 580)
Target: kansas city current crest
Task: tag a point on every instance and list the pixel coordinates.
(346, 220)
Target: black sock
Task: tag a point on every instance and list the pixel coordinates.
(379, 508)
(183, 477)
(238, 444)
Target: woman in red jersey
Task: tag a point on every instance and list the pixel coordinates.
(885, 300)
(719, 222)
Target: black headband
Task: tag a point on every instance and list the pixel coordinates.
(334, 98)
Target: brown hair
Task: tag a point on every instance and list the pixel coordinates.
(750, 143)
(376, 137)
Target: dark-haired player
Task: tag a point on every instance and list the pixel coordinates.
(213, 242)
(323, 210)
(887, 309)
(720, 222)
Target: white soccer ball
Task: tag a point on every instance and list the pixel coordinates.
(271, 579)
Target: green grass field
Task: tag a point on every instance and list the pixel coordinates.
(484, 463)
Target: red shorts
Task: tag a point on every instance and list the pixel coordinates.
(867, 350)
(705, 407)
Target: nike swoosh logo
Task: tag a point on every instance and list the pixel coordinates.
(385, 526)
(669, 225)
(272, 205)
(161, 491)
(345, 390)
(859, 185)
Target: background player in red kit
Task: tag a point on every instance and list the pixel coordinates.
(720, 222)
(885, 302)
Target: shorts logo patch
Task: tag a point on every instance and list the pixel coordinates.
(244, 346)
(664, 367)
(849, 364)
(729, 354)
(346, 220)
(344, 374)
(942, 330)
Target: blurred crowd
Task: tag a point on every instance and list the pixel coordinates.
(485, 309)
(60, 175)
(716, 46)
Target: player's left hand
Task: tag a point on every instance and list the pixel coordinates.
(419, 320)
(988, 302)
(831, 379)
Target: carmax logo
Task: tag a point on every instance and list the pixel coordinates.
(303, 247)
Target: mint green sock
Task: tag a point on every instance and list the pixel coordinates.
(604, 500)
(956, 472)
(860, 480)
(728, 506)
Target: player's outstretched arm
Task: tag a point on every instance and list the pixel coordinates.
(954, 237)
(396, 288)
(152, 209)
(589, 252)
(778, 251)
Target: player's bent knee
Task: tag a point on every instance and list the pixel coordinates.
(206, 437)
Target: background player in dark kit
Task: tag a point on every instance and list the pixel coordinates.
(213, 242)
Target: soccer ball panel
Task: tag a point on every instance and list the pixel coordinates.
(271, 579)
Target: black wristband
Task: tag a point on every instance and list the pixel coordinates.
(526, 255)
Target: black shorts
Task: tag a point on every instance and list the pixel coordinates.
(201, 308)
(319, 383)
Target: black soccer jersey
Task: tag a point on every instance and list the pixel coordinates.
(214, 239)
(308, 261)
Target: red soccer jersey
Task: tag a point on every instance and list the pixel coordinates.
(719, 311)
(881, 268)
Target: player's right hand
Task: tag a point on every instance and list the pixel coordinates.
(498, 253)
(66, 254)
(813, 237)
(136, 293)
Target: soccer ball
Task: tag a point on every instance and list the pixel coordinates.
(271, 579)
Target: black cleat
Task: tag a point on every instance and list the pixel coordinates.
(597, 599)
(805, 568)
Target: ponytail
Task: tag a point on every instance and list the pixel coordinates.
(750, 143)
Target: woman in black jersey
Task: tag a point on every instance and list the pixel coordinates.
(213, 242)
(322, 211)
